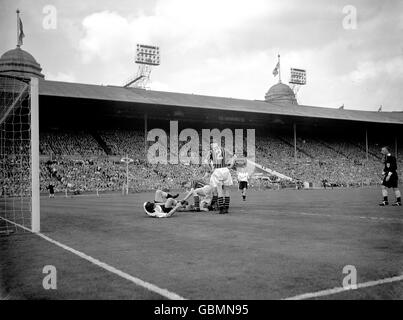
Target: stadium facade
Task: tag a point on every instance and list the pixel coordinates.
(76, 106)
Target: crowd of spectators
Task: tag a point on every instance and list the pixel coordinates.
(77, 143)
(77, 162)
(124, 142)
(111, 175)
(340, 163)
(14, 173)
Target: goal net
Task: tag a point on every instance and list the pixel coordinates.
(19, 155)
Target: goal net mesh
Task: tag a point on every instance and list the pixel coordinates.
(15, 155)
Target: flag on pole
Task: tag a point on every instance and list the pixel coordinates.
(21, 34)
(275, 71)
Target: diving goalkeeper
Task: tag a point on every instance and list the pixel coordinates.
(164, 205)
(162, 210)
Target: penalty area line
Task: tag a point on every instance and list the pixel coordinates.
(147, 285)
(336, 290)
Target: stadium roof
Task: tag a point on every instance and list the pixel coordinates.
(133, 95)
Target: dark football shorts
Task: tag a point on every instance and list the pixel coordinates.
(165, 210)
(243, 185)
(393, 181)
(196, 184)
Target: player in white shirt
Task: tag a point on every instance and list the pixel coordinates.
(162, 210)
(202, 197)
(164, 205)
(243, 178)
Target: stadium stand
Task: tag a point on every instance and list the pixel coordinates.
(69, 143)
(74, 160)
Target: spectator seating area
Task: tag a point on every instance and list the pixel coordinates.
(86, 162)
(79, 143)
(339, 162)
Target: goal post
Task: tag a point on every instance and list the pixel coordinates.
(19, 155)
(35, 166)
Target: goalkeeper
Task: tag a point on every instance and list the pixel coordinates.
(162, 210)
(164, 205)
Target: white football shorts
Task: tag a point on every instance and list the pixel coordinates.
(221, 176)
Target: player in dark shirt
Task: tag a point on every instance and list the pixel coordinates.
(390, 179)
(51, 189)
(220, 162)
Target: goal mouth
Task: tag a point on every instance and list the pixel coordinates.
(19, 155)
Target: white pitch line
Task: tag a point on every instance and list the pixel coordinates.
(149, 286)
(375, 219)
(329, 292)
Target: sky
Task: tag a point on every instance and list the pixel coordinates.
(352, 50)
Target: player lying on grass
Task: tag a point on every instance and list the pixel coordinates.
(196, 184)
(162, 210)
(164, 205)
(202, 197)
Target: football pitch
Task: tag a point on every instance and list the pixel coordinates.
(276, 245)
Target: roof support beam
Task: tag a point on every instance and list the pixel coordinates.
(145, 133)
(396, 150)
(366, 143)
(295, 142)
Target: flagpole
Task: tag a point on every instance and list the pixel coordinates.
(279, 69)
(18, 28)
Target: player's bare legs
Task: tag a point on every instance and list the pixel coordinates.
(398, 197)
(397, 193)
(244, 194)
(385, 195)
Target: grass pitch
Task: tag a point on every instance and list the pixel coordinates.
(276, 245)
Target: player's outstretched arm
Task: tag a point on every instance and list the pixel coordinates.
(171, 213)
(188, 195)
(206, 162)
(231, 163)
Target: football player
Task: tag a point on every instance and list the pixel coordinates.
(243, 177)
(161, 196)
(162, 210)
(221, 178)
(202, 197)
(390, 178)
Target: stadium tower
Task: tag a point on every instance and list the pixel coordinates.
(280, 92)
(20, 63)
